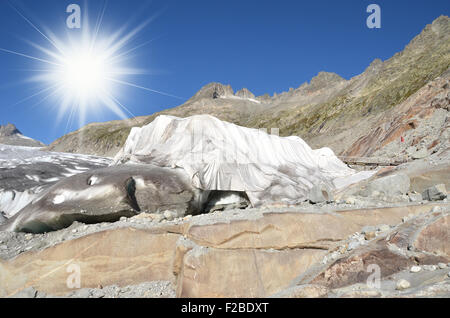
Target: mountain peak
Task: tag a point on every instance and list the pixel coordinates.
(245, 93)
(10, 135)
(324, 79)
(214, 90)
(442, 20)
(9, 130)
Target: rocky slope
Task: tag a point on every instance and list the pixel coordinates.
(328, 111)
(10, 135)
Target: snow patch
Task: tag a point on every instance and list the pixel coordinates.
(241, 98)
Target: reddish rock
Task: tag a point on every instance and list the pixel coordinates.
(435, 237)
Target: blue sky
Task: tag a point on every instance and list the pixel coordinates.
(266, 46)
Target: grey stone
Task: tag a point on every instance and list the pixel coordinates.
(430, 268)
(368, 228)
(384, 228)
(350, 200)
(320, 193)
(435, 193)
(415, 269)
(82, 293)
(435, 209)
(415, 197)
(392, 185)
(29, 292)
(403, 284)
(420, 154)
(352, 245)
(442, 265)
(168, 215)
(411, 150)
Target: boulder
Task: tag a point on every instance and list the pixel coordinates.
(392, 185)
(420, 154)
(415, 197)
(403, 284)
(320, 193)
(435, 193)
(435, 237)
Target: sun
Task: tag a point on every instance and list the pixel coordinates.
(85, 74)
(84, 71)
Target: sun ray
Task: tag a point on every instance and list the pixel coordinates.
(32, 25)
(46, 97)
(29, 56)
(44, 50)
(114, 107)
(143, 88)
(121, 105)
(40, 92)
(99, 23)
(119, 56)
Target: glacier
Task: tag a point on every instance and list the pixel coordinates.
(221, 156)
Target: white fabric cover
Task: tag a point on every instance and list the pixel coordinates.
(218, 155)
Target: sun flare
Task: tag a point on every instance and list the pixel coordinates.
(85, 70)
(84, 74)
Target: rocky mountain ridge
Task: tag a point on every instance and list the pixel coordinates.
(10, 135)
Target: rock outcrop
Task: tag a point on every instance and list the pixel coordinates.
(245, 93)
(10, 135)
(225, 256)
(214, 91)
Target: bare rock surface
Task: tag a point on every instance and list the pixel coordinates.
(259, 254)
